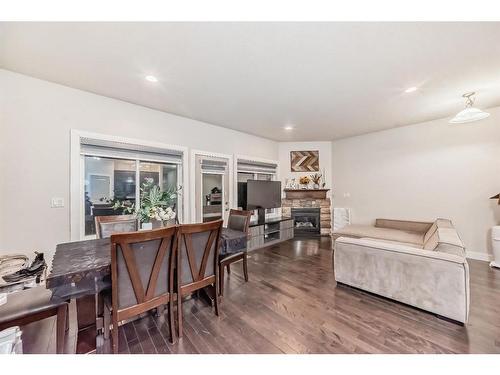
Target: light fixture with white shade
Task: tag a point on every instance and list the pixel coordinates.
(469, 114)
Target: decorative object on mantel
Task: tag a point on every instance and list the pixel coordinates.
(496, 197)
(316, 178)
(291, 183)
(306, 193)
(304, 161)
(155, 209)
(304, 181)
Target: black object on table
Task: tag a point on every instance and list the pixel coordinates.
(80, 270)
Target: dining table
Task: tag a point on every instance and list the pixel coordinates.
(81, 270)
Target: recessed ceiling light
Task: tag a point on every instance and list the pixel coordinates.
(151, 78)
(288, 127)
(411, 89)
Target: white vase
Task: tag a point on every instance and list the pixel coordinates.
(147, 226)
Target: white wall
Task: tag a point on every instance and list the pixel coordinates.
(36, 117)
(325, 160)
(424, 171)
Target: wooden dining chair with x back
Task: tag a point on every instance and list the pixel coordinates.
(197, 261)
(239, 220)
(142, 276)
(106, 225)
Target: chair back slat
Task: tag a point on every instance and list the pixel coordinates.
(160, 256)
(206, 254)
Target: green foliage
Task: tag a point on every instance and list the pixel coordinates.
(154, 203)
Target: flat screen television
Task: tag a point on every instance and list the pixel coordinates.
(263, 194)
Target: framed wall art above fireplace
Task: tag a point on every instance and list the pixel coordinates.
(304, 161)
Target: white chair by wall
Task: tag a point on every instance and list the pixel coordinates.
(341, 217)
(495, 239)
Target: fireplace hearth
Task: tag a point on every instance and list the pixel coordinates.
(307, 221)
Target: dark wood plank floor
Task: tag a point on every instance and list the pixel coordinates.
(292, 305)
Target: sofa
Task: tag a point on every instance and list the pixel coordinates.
(421, 264)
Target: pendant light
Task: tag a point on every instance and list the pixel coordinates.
(469, 114)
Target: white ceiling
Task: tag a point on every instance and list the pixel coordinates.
(329, 80)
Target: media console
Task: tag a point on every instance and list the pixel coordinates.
(269, 232)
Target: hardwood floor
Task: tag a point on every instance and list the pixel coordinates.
(292, 305)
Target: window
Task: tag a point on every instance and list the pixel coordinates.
(115, 172)
(254, 170)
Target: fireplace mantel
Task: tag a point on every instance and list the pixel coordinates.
(306, 193)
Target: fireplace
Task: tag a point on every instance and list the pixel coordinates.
(307, 221)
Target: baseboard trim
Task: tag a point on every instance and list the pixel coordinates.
(476, 255)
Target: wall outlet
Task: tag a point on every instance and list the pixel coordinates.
(347, 195)
(57, 202)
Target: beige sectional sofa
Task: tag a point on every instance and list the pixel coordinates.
(421, 264)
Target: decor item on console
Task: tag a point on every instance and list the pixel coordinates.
(304, 181)
(304, 161)
(155, 208)
(316, 178)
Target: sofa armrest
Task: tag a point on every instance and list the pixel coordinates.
(407, 225)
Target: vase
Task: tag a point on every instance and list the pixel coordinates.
(316, 186)
(157, 224)
(169, 223)
(146, 226)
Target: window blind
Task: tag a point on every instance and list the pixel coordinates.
(122, 150)
(210, 165)
(256, 166)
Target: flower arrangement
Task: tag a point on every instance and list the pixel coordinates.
(154, 203)
(304, 180)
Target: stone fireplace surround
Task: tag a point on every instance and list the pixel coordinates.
(324, 204)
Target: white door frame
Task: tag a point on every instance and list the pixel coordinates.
(192, 168)
(77, 172)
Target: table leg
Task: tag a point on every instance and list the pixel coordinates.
(87, 308)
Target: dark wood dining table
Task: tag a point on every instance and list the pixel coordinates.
(82, 269)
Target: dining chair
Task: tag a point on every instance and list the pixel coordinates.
(31, 305)
(142, 277)
(197, 261)
(106, 225)
(238, 220)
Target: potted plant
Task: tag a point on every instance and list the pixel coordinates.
(155, 209)
(316, 178)
(304, 181)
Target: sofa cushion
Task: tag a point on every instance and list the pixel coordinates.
(390, 242)
(359, 231)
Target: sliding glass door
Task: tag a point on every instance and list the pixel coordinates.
(108, 180)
